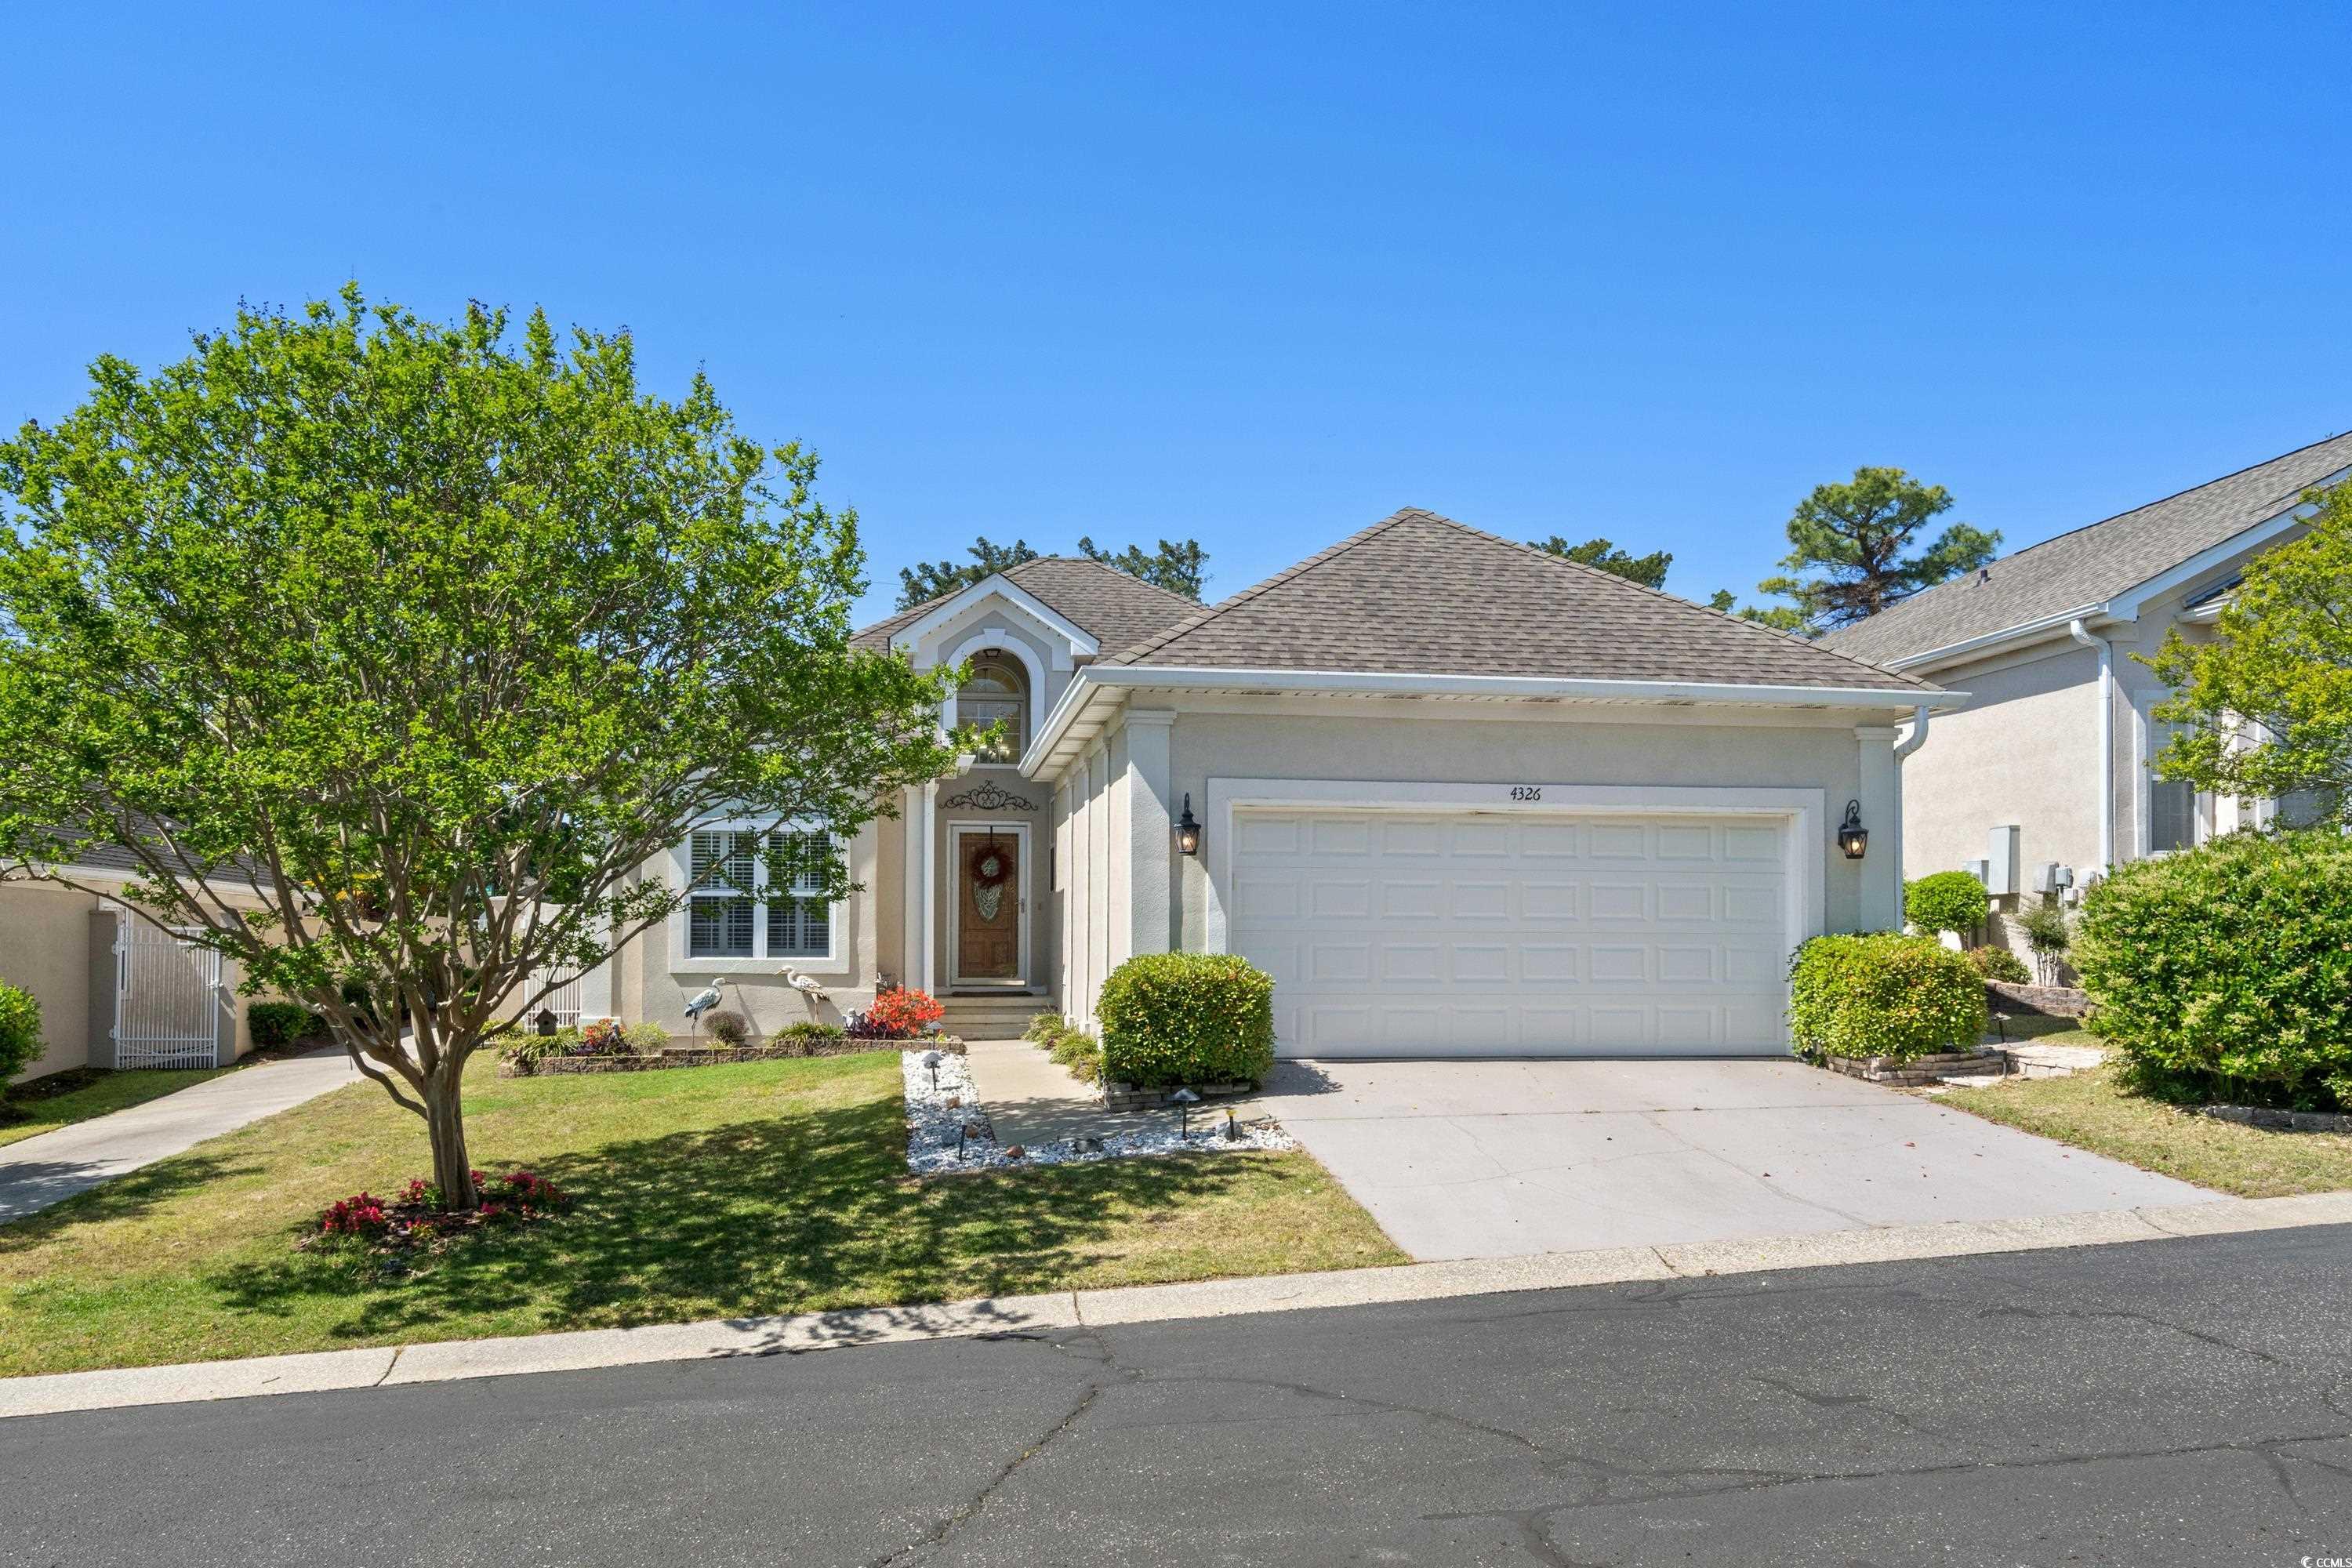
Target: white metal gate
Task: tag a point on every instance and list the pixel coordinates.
(563, 1001)
(168, 998)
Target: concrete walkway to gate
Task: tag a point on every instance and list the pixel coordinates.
(54, 1166)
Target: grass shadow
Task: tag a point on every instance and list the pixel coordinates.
(806, 1210)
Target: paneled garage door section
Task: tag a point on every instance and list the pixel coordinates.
(1400, 934)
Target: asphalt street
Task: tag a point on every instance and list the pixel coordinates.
(2181, 1402)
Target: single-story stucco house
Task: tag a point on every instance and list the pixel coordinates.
(2046, 764)
(1457, 795)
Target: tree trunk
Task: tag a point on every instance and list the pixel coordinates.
(445, 1123)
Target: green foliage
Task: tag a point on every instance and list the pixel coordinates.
(1079, 1052)
(1179, 568)
(1847, 546)
(272, 1024)
(646, 1038)
(2225, 972)
(928, 580)
(1650, 571)
(1884, 995)
(1999, 964)
(1778, 617)
(806, 1037)
(2281, 657)
(1187, 1017)
(2048, 933)
(434, 637)
(20, 1032)
(1044, 1029)
(730, 1030)
(1945, 900)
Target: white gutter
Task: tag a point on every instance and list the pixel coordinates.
(2076, 630)
(2024, 631)
(1100, 680)
(1904, 748)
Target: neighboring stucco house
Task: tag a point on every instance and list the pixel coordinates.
(114, 990)
(1459, 797)
(2054, 740)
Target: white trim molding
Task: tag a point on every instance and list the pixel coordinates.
(1085, 705)
(1002, 640)
(959, 829)
(1081, 642)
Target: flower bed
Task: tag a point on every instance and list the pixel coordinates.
(414, 1221)
(947, 1129)
(710, 1055)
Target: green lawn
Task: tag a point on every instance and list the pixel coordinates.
(61, 1099)
(2090, 1112)
(703, 1193)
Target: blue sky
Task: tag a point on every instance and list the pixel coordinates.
(1261, 275)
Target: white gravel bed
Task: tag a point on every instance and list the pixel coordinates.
(961, 1138)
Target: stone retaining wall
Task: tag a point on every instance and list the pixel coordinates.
(2279, 1121)
(1135, 1096)
(1918, 1070)
(2047, 1001)
(710, 1055)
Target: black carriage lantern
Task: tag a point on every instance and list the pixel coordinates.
(1188, 831)
(1853, 837)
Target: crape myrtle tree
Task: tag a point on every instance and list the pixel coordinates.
(2265, 709)
(425, 641)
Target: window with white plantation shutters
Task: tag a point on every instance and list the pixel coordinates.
(744, 904)
(2171, 803)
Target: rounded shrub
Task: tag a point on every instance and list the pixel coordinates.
(2225, 972)
(20, 1032)
(1884, 995)
(1945, 900)
(282, 1024)
(1999, 964)
(1187, 1017)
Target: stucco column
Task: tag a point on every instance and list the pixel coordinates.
(914, 876)
(1148, 833)
(930, 807)
(1881, 814)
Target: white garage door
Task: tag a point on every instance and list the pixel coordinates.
(1460, 933)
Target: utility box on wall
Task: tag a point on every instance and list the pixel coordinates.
(2001, 861)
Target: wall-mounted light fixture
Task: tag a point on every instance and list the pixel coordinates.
(1187, 832)
(1853, 837)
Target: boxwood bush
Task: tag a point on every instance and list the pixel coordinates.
(282, 1024)
(1999, 964)
(20, 1033)
(1187, 1017)
(1884, 995)
(2225, 972)
(1945, 900)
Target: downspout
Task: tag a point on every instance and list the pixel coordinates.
(2075, 629)
(1904, 748)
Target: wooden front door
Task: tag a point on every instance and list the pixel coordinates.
(988, 908)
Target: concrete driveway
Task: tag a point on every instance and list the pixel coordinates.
(1466, 1159)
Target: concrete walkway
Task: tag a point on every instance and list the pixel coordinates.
(1494, 1158)
(1033, 1100)
(53, 1167)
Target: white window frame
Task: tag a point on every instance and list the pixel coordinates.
(1000, 638)
(835, 960)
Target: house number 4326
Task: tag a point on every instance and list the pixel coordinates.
(1527, 792)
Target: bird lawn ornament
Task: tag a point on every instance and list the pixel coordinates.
(702, 1002)
(811, 992)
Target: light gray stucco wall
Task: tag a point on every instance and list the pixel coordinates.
(2024, 751)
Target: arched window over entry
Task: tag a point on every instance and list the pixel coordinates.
(997, 691)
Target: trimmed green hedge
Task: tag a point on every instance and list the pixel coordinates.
(1187, 1017)
(1884, 995)
(1945, 900)
(2225, 973)
(20, 1032)
(282, 1024)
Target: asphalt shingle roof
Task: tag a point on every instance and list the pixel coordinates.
(1421, 593)
(2096, 562)
(1115, 609)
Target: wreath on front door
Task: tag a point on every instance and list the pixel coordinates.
(991, 869)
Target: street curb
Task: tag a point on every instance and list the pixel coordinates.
(456, 1360)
